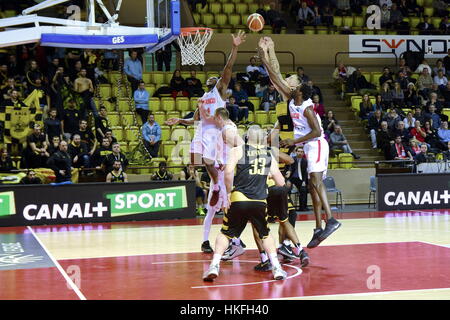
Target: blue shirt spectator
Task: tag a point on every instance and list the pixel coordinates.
(444, 132)
(141, 97)
(151, 131)
(436, 119)
(133, 67)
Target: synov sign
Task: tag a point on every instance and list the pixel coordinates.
(373, 45)
(413, 191)
(87, 203)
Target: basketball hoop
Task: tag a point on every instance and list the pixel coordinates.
(193, 42)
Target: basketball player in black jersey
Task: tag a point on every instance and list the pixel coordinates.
(117, 175)
(247, 193)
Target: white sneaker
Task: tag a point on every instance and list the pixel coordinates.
(212, 272)
(232, 252)
(279, 273)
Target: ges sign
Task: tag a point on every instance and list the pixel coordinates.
(117, 40)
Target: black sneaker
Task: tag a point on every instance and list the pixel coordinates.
(206, 247)
(315, 239)
(286, 252)
(331, 226)
(304, 258)
(263, 266)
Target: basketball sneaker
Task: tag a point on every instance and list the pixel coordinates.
(263, 266)
(212, 273)
(304, 258)
(232, 252)
(286, 252)
(315, 239)
(206, 247)
(331, 226)
(279, 273)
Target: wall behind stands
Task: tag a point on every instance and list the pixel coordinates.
(307, 49)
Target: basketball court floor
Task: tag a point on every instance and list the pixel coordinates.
(374, 255)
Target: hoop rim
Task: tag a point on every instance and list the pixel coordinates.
(193, 30)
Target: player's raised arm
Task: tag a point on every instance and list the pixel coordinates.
(224, 81)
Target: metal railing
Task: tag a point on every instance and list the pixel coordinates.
(361, 52)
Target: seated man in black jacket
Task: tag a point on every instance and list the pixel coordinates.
(358, 83)
(79, 152)
(61, 163)
(30, 178)
(116, 155)
(297, 175)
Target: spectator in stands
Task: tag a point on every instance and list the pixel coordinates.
(404, 80)
(71, 119)
(432, 137)
(61, 163)
(400, 130)
(384, 140)
(44, 99)
(433, 117)
(305, 16)
(418, 132)
(446, 95)
(298, 176)
(6, 164)
(86, 136)
(194, 85)
(392, 118)
(378, 105)
(141, 99)
(425, 27)
(398, 97)
(433, 100)
(439, 65)
(252, 70)
(409, 121)
(343, 8)
(340, 76)
(109, 135)
(315, 90)
(396, 17)
(178, 85)
(274, 19)
(446, 153)
(365, 107)
(358, 83)
(7, 89)
(36, 153)
(33, 74)
(74, 71)
(191, 173)
(162, 174)
(260, 87)
(116, 175)
(233, 109)
(327, 14)
(242, 97)
(440, 79)
(414, 146)
(270, 98)
(444, 132)
(385, 17)
(386, 96)
(79, 152)
(54, 145)
(338, 141)
(101, 123)
(151, 135)
(52, 126)
(329, 123)
(423, 155)
(409, 7)
(446, 61)
(14, 100)
(85, 88)
(31, 178)
(399, 150)
(301, 75)
(387, 76)
(424, 83)
(387, 3)
(110, 60)
(100, 153)
(89, 61)
(444, 26)
(133, 70)
(411, 97)
(441, 8)
(115, 155)
(374, 126)
(318, 107)
(424, 65)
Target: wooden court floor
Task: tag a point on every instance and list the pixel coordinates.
(374, 255)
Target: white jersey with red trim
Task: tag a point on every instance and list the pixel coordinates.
(211, 102)
(301, 125)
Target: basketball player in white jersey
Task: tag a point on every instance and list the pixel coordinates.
(204, 144)
(307, 131)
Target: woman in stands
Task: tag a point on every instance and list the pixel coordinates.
(386, 96)
(365, 108)
(178, 85)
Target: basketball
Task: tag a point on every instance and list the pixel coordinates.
(255, 22)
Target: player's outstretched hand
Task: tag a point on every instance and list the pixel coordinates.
(239, 38)
(269, 42)
(287, 143)
(172, 121)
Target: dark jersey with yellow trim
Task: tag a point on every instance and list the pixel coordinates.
(286, 128)
(252, 171)
(117, 178)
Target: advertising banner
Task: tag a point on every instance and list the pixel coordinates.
(413, 191)
(372, 45)
(22, 205)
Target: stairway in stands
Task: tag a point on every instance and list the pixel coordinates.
(351, 127)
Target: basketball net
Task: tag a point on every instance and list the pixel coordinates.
(193, 42)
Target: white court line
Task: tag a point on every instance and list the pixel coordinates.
(439, 245)
(361, 294)
(56, 263)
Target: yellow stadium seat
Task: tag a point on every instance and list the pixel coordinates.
(375, 79)
(182, 104)
(251, 116)
(114, 76)
(196, 17)
(322, 30)
(215, 7)
(151, 88)
(132, 145)
(261, 117)
(345, 157)
(414, 21)
(173, 114)
(124, 105)
(201, 75)
(267, 30)
(160, 117)
(415, 76)
(337, 21)
(359, 21)
(241, 8)
(446, 111)
(228, 8)
(154, 104)
(440, 156)
(180, 134)
(167, 147)
(201, 10)
(273, 116)
(168, 75)
(428, 11)
(114, 119)
(355, 103)
(366, 75)
(435, 21)
(123, 146)
(127, 119)
(132, 133)
(147, 77)
(420, 3)
(207, 19)
(256, 101)
(117, 133)
(157, 77)
(177, 165)
(428, 3)
(252, 7)
(220, 19)
(168, 104)
(333, 163)
(105, 91)
(244, 17)
(309, 30)
(193, 103)
(120, 94)
(165, 132)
